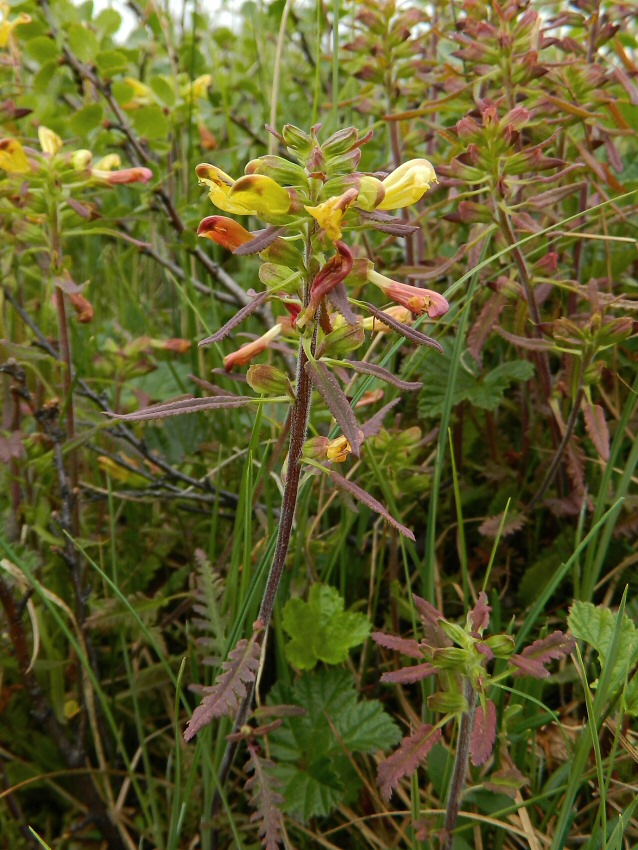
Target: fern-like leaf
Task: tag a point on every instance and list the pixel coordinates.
(412, 751)
(211, 620)
(264, 798)
(224, 696)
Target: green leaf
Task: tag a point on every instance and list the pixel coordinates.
(86, 119)
(309, 756)
(111, 62)
(163, 90)
(150, 122)
(595, 625)
(320, 629)
(83, 42)
(486, 390)
(42, 49)
(108, 21)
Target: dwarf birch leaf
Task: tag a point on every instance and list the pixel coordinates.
(531, 661)
(368, 500)
(184, 405)
(412, 752)
(364, 368)
(483, 733)
(224, 696)
(325, 382)
(320, 629)
(239, 317)
(597, 428)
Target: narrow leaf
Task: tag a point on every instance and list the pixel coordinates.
(479, 616)
(238, 318)
(430, 616)
(260, 241)
(387, 223)
(373, 425)
(406, 646)
(525, 342)
(338, 297)
(483, 733)
(405, 330)
(597, 428)
(185, 405)
(326, 383)
(412, 751)
(364, 368)
(230, 686)
(408, 675)
(368, 500)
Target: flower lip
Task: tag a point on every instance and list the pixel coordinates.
(416, 300)
(407, 184)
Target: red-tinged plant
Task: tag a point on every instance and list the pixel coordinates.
(459, 657)
(307, 269)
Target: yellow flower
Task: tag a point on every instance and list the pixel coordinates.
(338, 450)
(12, 157)
(50, 142)
(329, 214)
(407, 184)
(198, 88)
(7, 27)
(254, 194)
(142, 95)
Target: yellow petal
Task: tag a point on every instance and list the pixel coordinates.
(12, 157)
(50, 142)
(329, 216)
(260, 195)
(407, 184)
(108, 162)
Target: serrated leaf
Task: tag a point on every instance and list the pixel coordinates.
(150, 122)
(320, 629)
(412, 752)
(83, 41)
(401, 328)
(265, 798)
(362, 367)
(230, 686)
(184, 405)
(368, 500)
(235, 320)
(595, 625)
(309, 756)
(532, 660)
(483, 733)
(406, 646)
(485, 391)
(597, 428)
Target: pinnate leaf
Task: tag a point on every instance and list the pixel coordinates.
(264, 798)
(483, 733)
(532, 660)
(320, 629)
(230, 687)
(412, 752)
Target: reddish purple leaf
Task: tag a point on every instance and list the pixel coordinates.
(364, 368)
(482, 327)
(368, 500)
(507, 781)
(334, 272)
(597, 428)
(408, 675)
(11, 446)
(230, 686)
(372, 427)
(238, 318)
(326, 383)
(411, 753)
(405, 330)
(265, 798)
(531, 661)
(338, 297)
(430, 616)
(406, 646)
(260, 241)
(386, 223)
(185, 405)
(525, 342)
(480, 615)
(483, 733)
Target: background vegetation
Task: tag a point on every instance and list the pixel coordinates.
(133, 557)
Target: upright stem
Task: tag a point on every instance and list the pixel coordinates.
(460, 766)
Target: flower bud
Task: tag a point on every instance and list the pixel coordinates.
(267, 380)
(338, 450)
(340, 142)
(447, 703)
(342, 340)
(80, 160)
(298, 143)
(316, 448)
(50, 142)
(281, 170)
(501, 645)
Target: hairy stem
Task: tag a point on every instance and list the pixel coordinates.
(460, 766)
